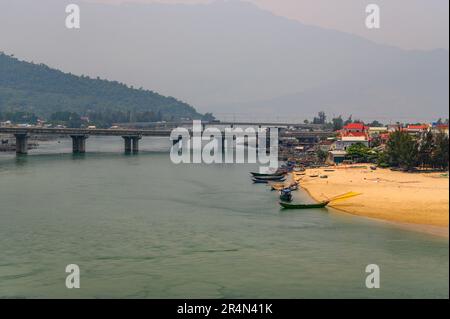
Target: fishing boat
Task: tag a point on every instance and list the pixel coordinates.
(270, 178)
(265, 181)
(286, 195)
(278, 172)
(259, 181)
(266, 175)
(321, 204)
(303, 206)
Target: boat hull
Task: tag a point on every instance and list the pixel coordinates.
(303, 206)
(267, 175)
(266, 181)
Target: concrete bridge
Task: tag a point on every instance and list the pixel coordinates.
(130, 137)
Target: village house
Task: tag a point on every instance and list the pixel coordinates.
(352, 133)
(416, 129)
(374, 131)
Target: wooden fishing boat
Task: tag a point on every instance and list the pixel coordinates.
(321, 204)
(267, 175)
(303, 206)
(270, 178)
(265, 181)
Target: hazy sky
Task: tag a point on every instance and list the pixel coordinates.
(235, 58)
(410, 24)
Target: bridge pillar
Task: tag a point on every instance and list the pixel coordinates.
(135, 140)
(223, 143)
(127, 143)
(21, 143)
(131, 143)
(79, 144)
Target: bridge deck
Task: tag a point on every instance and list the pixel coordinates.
(129, 132)
(75, 131)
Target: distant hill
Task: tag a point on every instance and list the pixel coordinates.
(233, 59)
(42, 90)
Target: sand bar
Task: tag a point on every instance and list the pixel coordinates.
(418, 199)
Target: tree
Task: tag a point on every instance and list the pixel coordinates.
(440, 156)
(208, 117)
(360, 152)
(338, 123)
(375, 140)
(321, 119)
(426, 149)
(402, 150)
(375, 124)
(322, 155)
(349, 120)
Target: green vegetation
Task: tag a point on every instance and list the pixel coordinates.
(322, 155)
(337, 122)
(361, 153)
(39, 91)
(407, 152)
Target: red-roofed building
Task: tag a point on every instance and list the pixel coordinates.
(352, 133)
(355, 127)
(420, 128)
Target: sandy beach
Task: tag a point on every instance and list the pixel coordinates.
(420, 200)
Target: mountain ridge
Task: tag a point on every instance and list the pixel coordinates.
(224, 57)
(38, 88)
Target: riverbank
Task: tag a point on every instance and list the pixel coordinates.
(416, 200)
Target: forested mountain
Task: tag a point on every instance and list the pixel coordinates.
(39, 89)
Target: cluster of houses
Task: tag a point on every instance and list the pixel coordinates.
(354, 133)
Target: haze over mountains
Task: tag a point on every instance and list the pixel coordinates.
(232, 57)
(27, 87)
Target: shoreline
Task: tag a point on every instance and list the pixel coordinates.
(391, 199)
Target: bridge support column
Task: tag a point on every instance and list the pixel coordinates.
(79, 144)
(21, 143)
(223, 143)
(131, 143)
(127, 143)
(135, 140)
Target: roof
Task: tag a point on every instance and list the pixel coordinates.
(417, 127)
(354, 126)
